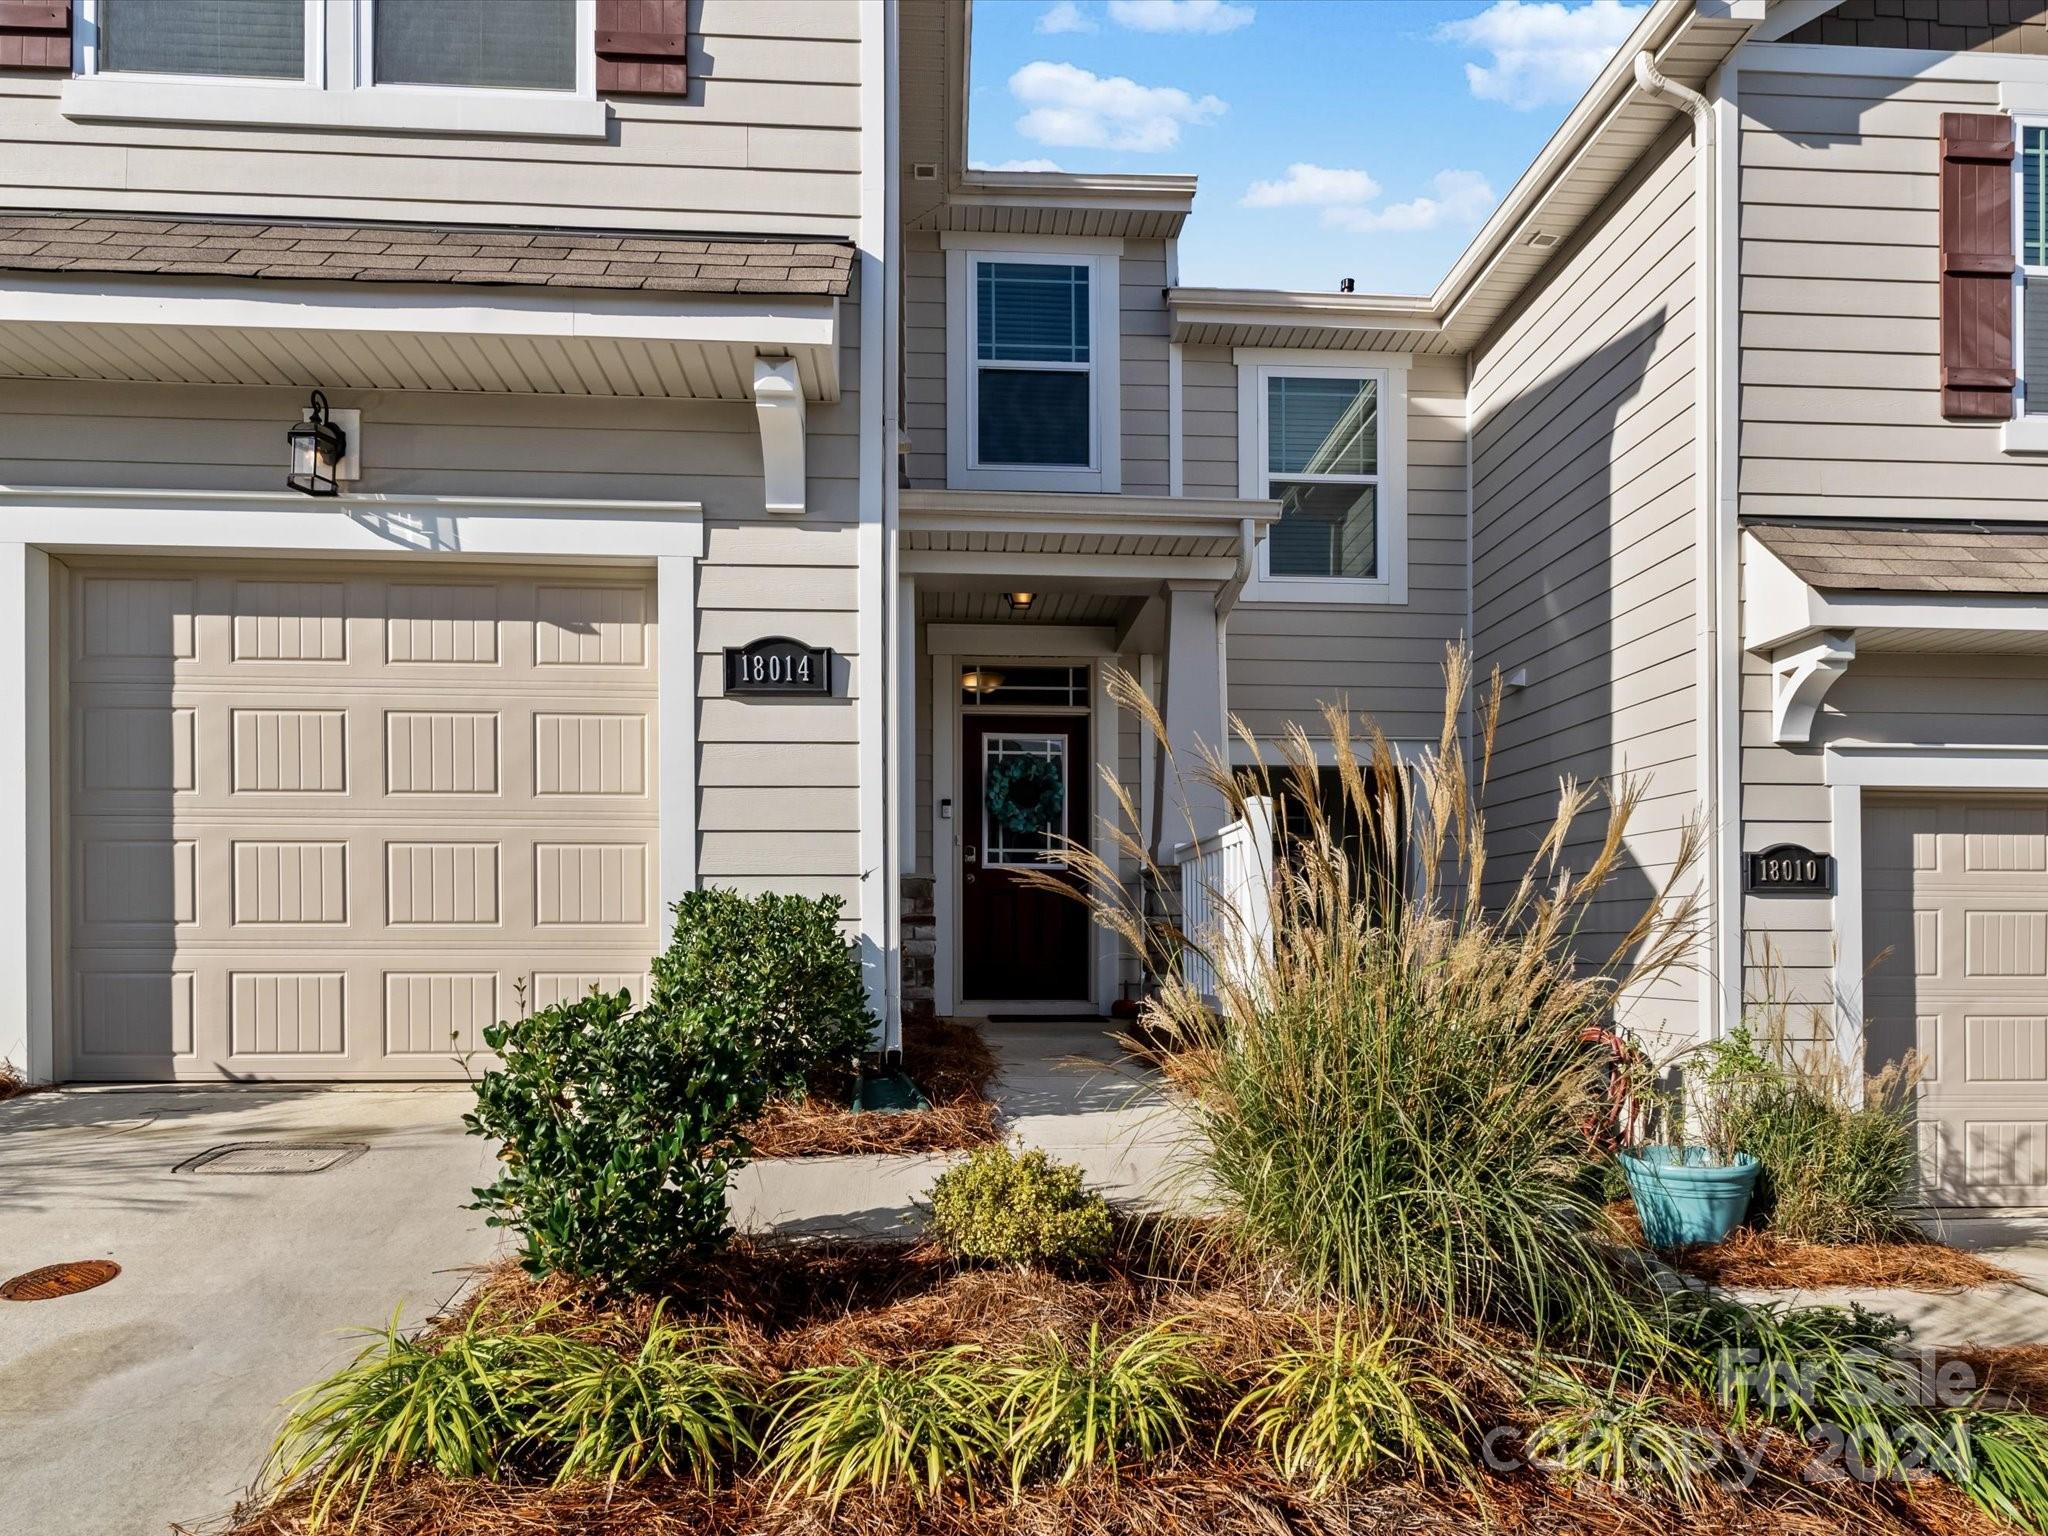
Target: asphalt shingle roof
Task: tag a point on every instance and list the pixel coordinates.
(1911, 557)
(526, 258)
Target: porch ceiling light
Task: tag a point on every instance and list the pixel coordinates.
(980, 681)
(318, 446)
(1021, 601)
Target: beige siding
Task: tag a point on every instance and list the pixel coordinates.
(1984, 700)
(1142, 364)
(767, 141)
(1208, 414)
(924, 357)
(1841, 405)
(1583, 509)
(1287, 659)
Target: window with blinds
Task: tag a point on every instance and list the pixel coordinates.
(1033, 375)
(1322, 457)
(255, 39)
(482, 44)
(2033, 174)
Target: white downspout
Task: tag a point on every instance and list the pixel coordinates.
(1706, 533)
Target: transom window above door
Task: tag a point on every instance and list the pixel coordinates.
(515, 67)
(1032, 368)
(1328, 441)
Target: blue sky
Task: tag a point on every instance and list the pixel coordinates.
(1333, 138)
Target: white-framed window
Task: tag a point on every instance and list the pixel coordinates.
(523, 68)
(1032, 396)
(1326, 436)
(2030, 307)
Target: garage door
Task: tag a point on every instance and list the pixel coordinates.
(330, 823)
(1958, 890)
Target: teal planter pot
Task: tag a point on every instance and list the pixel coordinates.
(1682, 1198)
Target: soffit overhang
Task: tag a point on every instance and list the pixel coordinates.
(431, 337)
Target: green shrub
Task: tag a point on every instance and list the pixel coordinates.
(1010, 1207)
(877, 1426)
(675, 1408)
(1349, 1404)
(1070, 1411)
(619, 1132)
(777, 965)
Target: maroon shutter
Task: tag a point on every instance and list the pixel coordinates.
(35, 34)
(1976, 265)
(643, 47)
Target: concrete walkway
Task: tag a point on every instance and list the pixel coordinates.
(153, 1398)
(1986, 1317)
(1066, 1087)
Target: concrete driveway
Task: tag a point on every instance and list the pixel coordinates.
(151, 1399)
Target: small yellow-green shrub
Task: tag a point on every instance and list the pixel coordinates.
(1010, 1207)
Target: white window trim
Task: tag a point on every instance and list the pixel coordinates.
(1255, 365)
(1104, 471)
(2024, 433)
(337, 91)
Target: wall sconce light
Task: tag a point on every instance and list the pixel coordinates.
(1021, 601)
(318, 446)
(980, 681)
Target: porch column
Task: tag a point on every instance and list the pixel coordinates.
(1193, 708)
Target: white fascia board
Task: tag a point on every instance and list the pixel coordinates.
(1845, 59)
(933, 509)
(385, 109)
(1084, 567)
(62, 518)
(78, 298)
(1780, 607)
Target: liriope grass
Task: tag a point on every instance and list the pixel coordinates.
(1354, 1402)
(1627, 1441)
(1068, 1411)
(878, 1426)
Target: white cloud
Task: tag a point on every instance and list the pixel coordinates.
(1542, 52)
(1459, 197)
(1313, 186)
(1179, 15)
(1012, 165)
(1065, 16)
(1069, 107)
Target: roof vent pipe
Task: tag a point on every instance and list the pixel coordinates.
(1348, 285)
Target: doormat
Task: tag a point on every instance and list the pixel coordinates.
(274, 1157)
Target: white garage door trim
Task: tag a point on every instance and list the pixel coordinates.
(1852, 768)
(666, 534)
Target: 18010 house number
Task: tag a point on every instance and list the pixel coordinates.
(1792, 870)
(778, 665)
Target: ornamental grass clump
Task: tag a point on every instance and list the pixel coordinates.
(876, 1426)
(1393, 1100)
(1350, 1403)
(1003, 1206)
(1069, 1411)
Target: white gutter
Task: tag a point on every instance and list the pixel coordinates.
(1707, 539)
(1247, 551)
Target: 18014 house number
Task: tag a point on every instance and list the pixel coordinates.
(778, 665)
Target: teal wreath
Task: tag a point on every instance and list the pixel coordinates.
(1026, 793)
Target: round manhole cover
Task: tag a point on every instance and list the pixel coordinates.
(54, 1280)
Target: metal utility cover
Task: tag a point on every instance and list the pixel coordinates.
(274, 1157)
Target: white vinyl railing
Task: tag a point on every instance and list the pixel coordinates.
(1226, 909)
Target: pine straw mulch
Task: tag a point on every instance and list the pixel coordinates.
(1764, 1261)
(950, 1062)
(788, 1306)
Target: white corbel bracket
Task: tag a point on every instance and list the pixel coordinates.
(779, 401)
(1801, 676)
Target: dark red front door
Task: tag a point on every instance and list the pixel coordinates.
(1019, 944)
